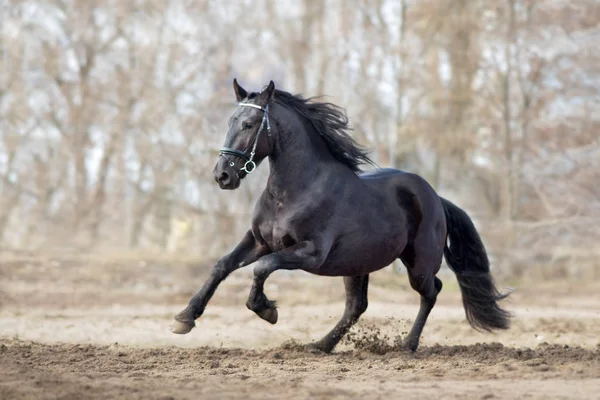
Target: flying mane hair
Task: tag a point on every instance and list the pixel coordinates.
(331, 122)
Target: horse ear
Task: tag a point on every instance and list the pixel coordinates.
(240, 92)
(267, 94)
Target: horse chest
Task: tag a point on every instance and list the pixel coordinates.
(276, 235)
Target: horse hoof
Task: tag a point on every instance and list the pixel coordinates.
(316, 348)
(410, 346)
(181, 328)
(269, 314)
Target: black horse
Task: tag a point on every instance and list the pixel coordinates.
(319, 213)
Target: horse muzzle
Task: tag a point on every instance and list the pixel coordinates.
(225, 175)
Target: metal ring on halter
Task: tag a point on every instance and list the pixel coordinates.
(245, 167)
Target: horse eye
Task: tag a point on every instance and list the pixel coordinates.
(247, 125)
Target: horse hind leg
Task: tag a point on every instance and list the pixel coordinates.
(356, 305)
(421, 274)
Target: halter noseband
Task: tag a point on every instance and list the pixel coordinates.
(250, 165)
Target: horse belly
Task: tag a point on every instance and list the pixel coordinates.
(353, 258)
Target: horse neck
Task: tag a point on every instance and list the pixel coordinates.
(299, 154)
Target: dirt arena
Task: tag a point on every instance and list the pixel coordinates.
(81, 328)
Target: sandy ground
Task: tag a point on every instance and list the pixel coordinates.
(88, 329)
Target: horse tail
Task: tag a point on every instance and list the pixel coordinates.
(467, 258)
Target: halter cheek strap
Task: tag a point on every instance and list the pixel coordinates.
(250, 165)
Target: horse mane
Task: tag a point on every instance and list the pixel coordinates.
(331, 122)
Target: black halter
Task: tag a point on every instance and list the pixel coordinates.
(250, 165)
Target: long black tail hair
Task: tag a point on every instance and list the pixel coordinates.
(467, 258)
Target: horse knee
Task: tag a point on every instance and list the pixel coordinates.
(438, 284)
(261, 272)
(362, 306)
(220, 271)
(359, 306)
(426, 285)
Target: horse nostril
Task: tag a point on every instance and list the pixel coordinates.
(223, 178)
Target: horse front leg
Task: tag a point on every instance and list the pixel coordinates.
(305, 255)
(356, 304)
(246, 252)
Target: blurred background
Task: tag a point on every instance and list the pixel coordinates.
(112, 113)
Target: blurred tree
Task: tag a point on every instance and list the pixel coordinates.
(111, 112)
